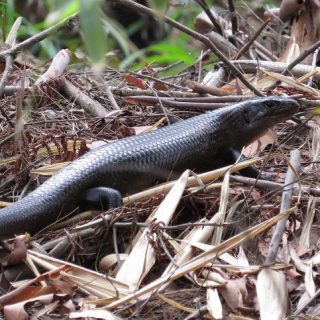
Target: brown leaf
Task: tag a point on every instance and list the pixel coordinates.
(289, 8)
(160, 86)
(139, 83)
(28, 289)
(256, 195)
(18, 254)
(18, 312)
(62, 286)
(5, 284)
(67, 307)
(257, 146)
(292, 273)
(133, 100)
(234, 293)
(31, 292)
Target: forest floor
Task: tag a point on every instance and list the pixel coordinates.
(201, 250)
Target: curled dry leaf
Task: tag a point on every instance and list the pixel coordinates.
(135, 81)
(110, 260)
(289, 8)
(260, 144)
(202, 22)
(17, 311)
(234, 293)
(61, 286)
(18, 253)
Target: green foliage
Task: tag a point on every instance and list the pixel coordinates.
(116, 32)
(90, 16)
(8, 16)
(103, 38)
(159, 6)
(60, 10)
(165, 53)
(46, 48)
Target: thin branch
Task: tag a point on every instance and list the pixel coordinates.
(35, 39)
(3, 82)
(285, 203)
(210, 15)
(252, 40)
(88, 104)
(302, 56)
(196, 35)
(251, 66)
(234, 20)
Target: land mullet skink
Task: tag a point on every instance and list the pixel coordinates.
(129, 165)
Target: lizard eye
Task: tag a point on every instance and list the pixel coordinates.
(246, 118)
(269, 104)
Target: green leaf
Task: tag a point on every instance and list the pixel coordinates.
(63, 10)
(169, 53)
(160, 6)
(117, 33)
(94, 37)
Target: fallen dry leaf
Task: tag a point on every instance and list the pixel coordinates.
(259, 145)
(234, 293)
(272, 294)
(18, 254)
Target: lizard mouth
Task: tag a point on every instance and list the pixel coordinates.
(287, 109)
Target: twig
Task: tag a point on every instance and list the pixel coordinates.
(4, 79)
(196, 35)
(314, 64)
(274, 187)
(89, 105)
(11, 90)
(285, 205)
(66, 240)
(265, 51)
(301, 57)
(225, 99)
(222, 44)
(202, 88)
(123, 92)
(306, 303)
(234, 20)
(12, 35)
(110, 96)
(189, 105)
(250, 66)
(252, 40)
(169, 84)
(208, 12)
(192, 105)
(10, 41)
(5, 140)
(197, 314)
(34, 39)
(115, 245)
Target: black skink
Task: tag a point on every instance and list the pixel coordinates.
(137, 162)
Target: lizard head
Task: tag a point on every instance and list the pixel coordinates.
(259, 115)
